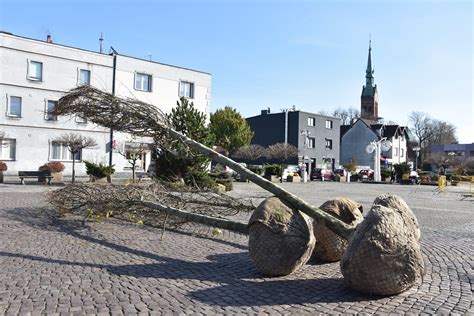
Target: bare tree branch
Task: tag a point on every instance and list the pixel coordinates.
(142, 119)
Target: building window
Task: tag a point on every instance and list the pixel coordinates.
(50, 106)
(328, 143)
(401, 152)
(14, 107)
(311, 142)
(311, 121)
(35, 70)
(81, 119)
(60, 152)
(395, 151)
(186, 89)
(328, 124)
(7, 149)
(142, 82)
(84, 77)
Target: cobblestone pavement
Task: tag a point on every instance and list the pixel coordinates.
(54, 265)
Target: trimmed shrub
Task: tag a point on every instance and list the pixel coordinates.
(200, 179)
(272, 170)
(222, 177)
(98, 171)
(3, 166)
(256, 170)
(52, 166)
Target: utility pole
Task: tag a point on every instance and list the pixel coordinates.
(114, 71)
(305, 134)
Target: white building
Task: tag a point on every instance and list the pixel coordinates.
(35, 74)
(356, 137)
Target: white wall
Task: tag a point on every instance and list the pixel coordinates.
(353, 145)
(165, 83)
(61, 66)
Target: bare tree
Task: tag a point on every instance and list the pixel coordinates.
(443, 133)
(133, 155)
(343, 115)
(347, 116)
(75, 143)
(422, 127)
(250, 152)
(283, 152)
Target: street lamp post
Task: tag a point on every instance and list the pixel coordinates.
(305, 134)
(417, 153)
(378, 146)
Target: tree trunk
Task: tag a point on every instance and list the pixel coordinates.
(198, 218)
(133, 173)
(73, 168)
(337, 226)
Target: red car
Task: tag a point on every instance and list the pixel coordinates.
(366, 174)
(319, 174)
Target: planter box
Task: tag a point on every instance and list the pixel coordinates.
(293, 179)
(58, 176)
(273, 178)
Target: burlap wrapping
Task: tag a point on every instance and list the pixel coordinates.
(396, 202)
(329, 246)
(280, 240)
(383, 255)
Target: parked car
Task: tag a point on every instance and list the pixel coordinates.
(290, 170)
(414, 178)
(322, 174)
(340, 172)
(366, 174)
(428, 177)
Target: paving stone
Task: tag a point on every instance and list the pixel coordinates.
(113, 267)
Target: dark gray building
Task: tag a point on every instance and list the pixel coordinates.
(316, 136)
(464, 151)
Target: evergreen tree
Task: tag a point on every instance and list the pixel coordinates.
(174, 160)
(230, 129)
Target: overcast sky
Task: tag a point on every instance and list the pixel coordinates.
(262, 53)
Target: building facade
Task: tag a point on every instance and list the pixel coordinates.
(460, 151)
(316, 136)
(356, 137)
(34, 74)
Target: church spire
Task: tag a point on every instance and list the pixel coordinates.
(369, 73)
(369, 99)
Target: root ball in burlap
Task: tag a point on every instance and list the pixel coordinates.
(329, 246)
(280, 239)
(383, 255)
(399, 204)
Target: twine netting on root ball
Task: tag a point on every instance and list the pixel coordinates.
(280, 239)
(329, 246)
(384, 254)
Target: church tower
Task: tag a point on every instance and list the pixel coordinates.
(369, 100)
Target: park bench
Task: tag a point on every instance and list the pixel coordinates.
(141, 176)
(35, 174)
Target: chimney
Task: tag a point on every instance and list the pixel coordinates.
(49, 39)
(265, 112)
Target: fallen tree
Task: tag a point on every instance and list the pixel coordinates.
(382, 238)
(142, 119)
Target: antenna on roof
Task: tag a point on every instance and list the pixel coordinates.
(101, 40)
(148, 57)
